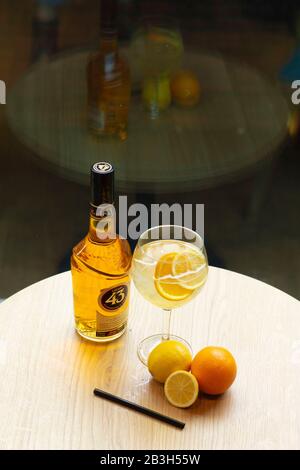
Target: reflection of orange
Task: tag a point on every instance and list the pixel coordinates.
(156, 37)
(185, 88)
(215, 369)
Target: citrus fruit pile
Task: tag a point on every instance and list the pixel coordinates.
(211, 371)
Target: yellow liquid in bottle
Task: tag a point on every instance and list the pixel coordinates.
(100, 275)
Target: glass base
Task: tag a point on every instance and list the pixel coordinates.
(146, 345)
(154, 112)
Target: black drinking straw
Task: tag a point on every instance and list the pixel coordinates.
(139, 408)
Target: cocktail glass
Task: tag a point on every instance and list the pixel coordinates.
(169, 268)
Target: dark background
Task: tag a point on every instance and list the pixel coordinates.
(42, 216)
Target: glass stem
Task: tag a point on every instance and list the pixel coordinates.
(167, 324)
(154, 110)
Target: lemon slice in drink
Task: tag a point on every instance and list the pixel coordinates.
(190, 269)
(165, 37)
(165, 282)
(181, 389)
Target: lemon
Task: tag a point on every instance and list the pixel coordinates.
(181, 389)
(166, 358)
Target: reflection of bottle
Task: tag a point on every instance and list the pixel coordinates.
(108, 80)
(100, 266)
(45, 29)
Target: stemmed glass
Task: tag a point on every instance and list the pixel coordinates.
(169, 268)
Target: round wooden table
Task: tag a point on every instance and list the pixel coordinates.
(48, 372)
(239, 123)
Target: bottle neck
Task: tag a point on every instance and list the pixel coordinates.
(102, 229)
(109, 41)
(109, 50)
(102, 210)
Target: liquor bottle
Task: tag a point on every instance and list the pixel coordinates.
(108, 80)
(100, 266)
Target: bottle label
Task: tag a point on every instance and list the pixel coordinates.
(113, 299)
(113, 312)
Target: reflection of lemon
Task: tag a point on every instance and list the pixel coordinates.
(177, 275)
(185, 88)
(168, 357)
(156, 92)
(181, 389)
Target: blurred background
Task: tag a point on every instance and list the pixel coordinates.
(240, 141)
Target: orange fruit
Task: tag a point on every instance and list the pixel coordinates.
(215, 369)
(185, 88)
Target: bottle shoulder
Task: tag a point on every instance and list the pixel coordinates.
(112, 258)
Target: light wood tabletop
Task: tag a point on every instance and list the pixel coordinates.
(240, 122)
(48, 372)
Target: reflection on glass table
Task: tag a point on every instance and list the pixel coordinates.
(155, 53)
(234, 131)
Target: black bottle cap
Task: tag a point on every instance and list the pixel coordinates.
(102, 184)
